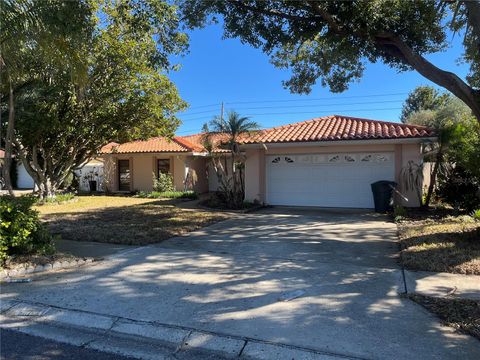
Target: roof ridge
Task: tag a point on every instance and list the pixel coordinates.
(379, 121)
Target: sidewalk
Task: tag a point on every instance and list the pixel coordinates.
(443, 284)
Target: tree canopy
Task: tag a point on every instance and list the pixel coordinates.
(114, 85)
(332, 41)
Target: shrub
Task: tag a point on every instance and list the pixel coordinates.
(168, 195)
(21, 232)
(58, 199)
(476, 214)
(460, 189)
(163, 183)
(399, 211)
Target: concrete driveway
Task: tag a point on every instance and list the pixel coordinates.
(228, 279)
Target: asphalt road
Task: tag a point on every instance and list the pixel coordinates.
(16, 346)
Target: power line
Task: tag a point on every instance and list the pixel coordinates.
(303, 106)
(315, 99)
(297, 100)
(298, 112)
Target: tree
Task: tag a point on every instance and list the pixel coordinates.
(332, 40)
(231, 130)
(28, 29)
(442, 112)
(123, 93)
(422, 98)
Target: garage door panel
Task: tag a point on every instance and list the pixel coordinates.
(313, 180)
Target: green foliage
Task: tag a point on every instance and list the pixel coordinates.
(21, 232)
(163, 183)
(333, 40)
(168, 195)
(399, 211)
(425, 98)
(57, 199)
(459, 188)
(231, 189)
(476, 215)
(110, 81)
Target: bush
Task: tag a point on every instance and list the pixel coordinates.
(163, 183)
(460, 189)
(21, 232)
(476, 215)
(58, 199)
(399, 211)
(168, 195)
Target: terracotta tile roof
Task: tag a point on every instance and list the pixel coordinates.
(328, 128)
(338, 127)
(197, 140)
(153, 145)
(108, 148)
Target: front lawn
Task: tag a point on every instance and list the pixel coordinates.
(461, 314)
(441, 244)
(123, 220)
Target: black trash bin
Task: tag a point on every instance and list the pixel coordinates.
(382, 195)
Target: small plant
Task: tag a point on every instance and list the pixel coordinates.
(399, 210)
(476, 215)
(21, 232)
(163, 183)
(58, 199)
(168, 195)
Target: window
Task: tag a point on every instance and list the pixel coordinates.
(163, 166)
(123, 175)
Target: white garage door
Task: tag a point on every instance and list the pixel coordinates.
(330, 180)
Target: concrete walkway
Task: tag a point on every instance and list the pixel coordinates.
(443, 284)
(229, 279)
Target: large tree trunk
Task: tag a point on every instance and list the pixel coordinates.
(9, 142)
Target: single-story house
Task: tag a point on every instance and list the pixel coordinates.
(329, 161)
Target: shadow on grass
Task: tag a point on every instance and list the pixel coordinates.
(454, 251)
(138, 224)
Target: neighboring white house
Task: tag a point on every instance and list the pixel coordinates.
(92, 171)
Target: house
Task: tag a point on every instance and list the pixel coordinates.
(92, 170)
(329, 161)
(22, 178)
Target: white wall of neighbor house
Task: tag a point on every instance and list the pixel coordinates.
(93, 170)
(255, 176)
(24, 180)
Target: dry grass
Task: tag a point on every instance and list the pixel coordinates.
(451, 245)
(123, 220)
(462, 314)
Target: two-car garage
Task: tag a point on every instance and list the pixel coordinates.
(326, 179)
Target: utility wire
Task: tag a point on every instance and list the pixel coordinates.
(298, 112)
(296, 100)
(303, 106)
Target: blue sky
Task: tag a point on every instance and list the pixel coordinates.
(217, 70)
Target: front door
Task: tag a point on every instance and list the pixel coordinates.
(124, 175)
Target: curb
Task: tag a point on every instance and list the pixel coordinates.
(56, 265)
(143, 339)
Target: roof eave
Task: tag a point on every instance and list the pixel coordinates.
(410, 140)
